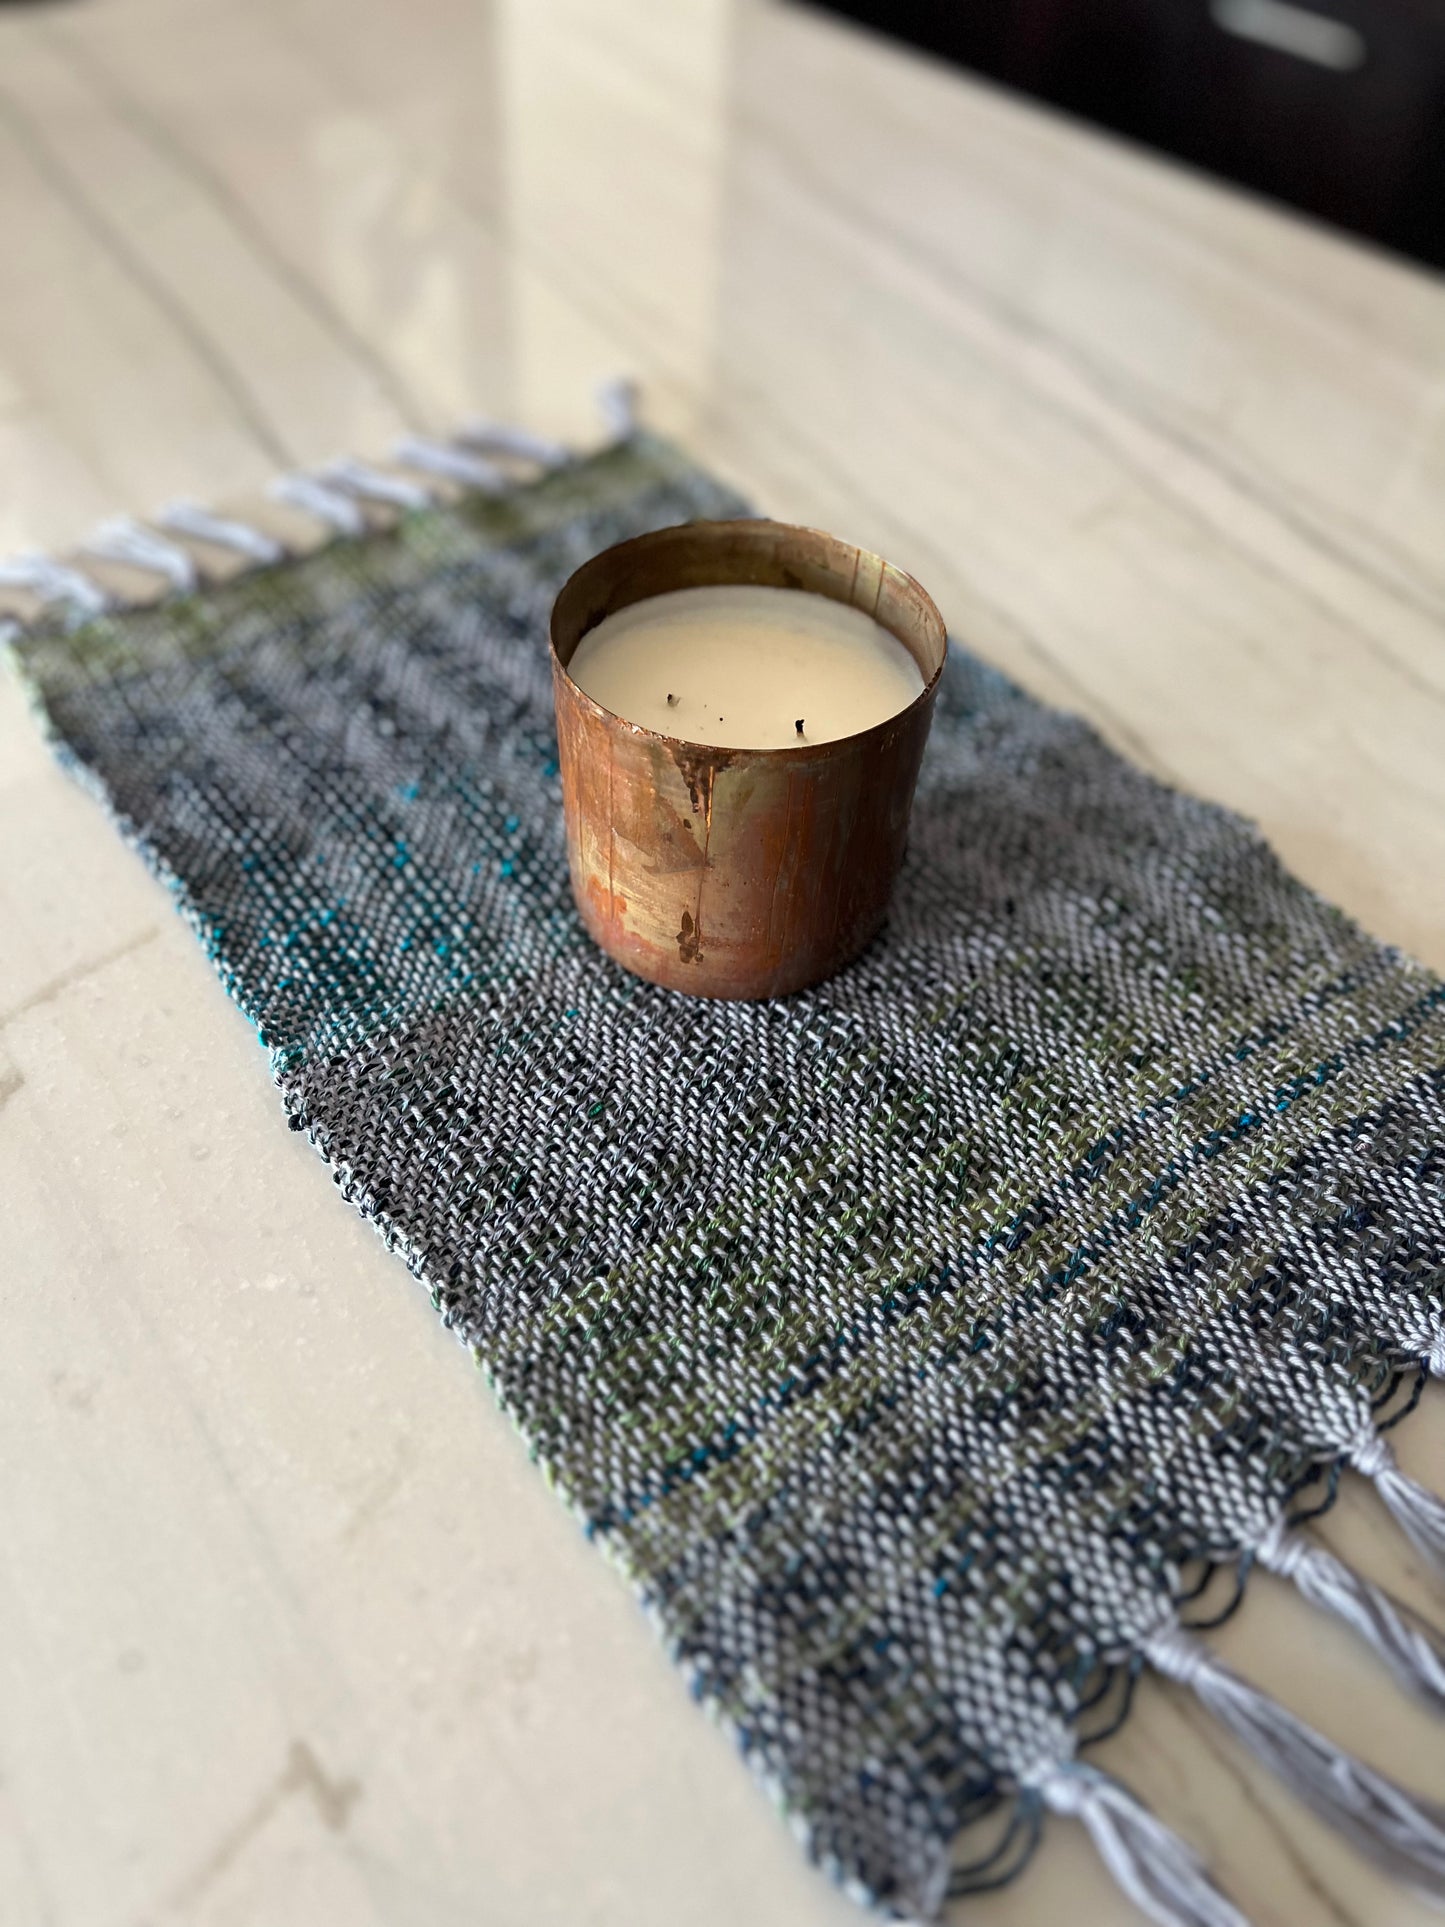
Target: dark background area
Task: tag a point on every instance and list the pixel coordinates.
(1337, 109)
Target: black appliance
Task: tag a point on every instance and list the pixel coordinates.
(1335, 106)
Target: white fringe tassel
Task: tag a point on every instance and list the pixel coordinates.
(500, 438)
(452, 464)
(374, 485)
(1160, 1873)
(136, 547)
(617, 401)
(196, 524)
(333, 496)
(40, 575)
(328, 506)
(1420, 1514)
(1398, 1830)
(1405, 1644)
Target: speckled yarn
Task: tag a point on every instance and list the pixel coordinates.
(909, 1342)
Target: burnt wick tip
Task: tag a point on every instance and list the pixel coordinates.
(671, 700)
(798, 725)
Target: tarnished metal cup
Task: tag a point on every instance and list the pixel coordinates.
(739, 873)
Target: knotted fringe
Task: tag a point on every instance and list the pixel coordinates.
(1400, 1831)
(333, 507)
(617, 404)
(137, 547)
(1420, 1513)
(504, 438)
(52, 581)
(1408, 1647)
(373, 484)
(452, 464)
(199, 525)
(1160, 1873)
(332, 495)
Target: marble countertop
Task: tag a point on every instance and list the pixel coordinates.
(290, 1631)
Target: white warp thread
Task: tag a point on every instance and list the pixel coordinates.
(617, 403)
(329, 506)
(452, 464)
(1159, 1872)
(135, 546)
(331, 497)
(1420, 1514)
(196, 524)
(374, 485)
(42, 576)
(1400, 1831)
(500, 438)
(1405, 1644)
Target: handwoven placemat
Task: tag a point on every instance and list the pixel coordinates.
(915, 1344)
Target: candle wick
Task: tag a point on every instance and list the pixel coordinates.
(798, 725)
(671, 700)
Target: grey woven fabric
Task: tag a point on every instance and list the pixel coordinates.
(909, 1342)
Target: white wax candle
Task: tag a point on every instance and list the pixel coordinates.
(739, 667)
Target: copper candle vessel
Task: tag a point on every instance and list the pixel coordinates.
(741, 873)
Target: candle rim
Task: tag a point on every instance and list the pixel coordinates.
(798, 752)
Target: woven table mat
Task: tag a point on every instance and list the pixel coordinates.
(916, 1344)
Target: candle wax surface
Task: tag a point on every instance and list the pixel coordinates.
(745, 665)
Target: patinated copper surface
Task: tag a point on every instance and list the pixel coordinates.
(737, 872)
